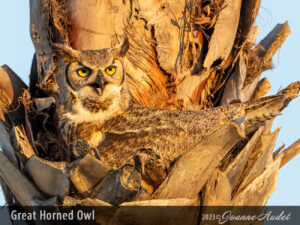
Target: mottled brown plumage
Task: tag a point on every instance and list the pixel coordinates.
(172, 133)
(117, 126)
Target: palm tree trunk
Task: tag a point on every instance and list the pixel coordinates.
(185, 54)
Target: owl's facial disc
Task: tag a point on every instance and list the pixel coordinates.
(80, 76)
(98, 85)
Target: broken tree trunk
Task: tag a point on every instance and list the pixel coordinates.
(183, 55)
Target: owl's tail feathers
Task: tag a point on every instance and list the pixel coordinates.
(264, 109)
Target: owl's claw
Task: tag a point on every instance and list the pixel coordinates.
(153, 167)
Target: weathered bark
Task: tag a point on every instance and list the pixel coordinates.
(6, 145)
(21, 187)
(194, 168)
(262, 59)
(236, 167)
(233, 91)
(194, 89)
(21, 144)
(289, 153)
(218, 190)
(183, 55)
(50, 177)
(85, 173)
(118, 186)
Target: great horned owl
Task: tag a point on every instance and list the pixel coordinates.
(90, 91)
(94, 104)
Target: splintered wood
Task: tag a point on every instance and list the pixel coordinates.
(182, 52)
(204, 159)
(86, 173)
(186, 54)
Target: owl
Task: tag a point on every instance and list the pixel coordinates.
(94, 104)
(91, 91)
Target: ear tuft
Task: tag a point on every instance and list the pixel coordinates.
(65, 52)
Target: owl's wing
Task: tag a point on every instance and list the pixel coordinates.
(169, 132)
(264, 109)
(175, 132)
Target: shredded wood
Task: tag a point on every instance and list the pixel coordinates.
(255, 65)
(60, 18)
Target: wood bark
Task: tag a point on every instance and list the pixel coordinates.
(85, 173)
(289, 153)
(50, 177)
(21, 187)
(183, 55)
(118, 186)
(203, 158)
(265, 50)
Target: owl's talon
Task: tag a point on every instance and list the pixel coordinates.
(152, 166)
(80, 148)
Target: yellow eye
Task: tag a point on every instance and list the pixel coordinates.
(83, 72)
(111, 70)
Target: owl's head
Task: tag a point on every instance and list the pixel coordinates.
(90, 82)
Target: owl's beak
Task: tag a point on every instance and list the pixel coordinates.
(98, 85)
(99, 90)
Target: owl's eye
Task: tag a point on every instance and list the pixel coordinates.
(111, 70)
(83, 72)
